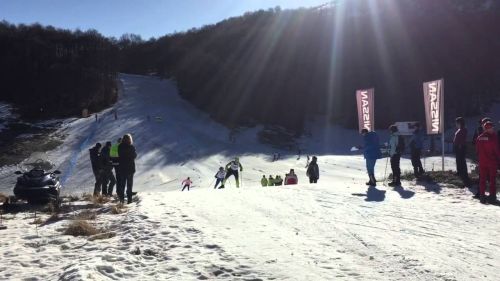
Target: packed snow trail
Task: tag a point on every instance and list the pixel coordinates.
(337, 229)
(327, 231)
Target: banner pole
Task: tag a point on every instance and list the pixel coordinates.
(442, 124)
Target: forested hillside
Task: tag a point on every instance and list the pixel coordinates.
(285, 66)
(48, 72)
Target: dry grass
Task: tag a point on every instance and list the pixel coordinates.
(118, 209)
(86, 215)
(101, 236)
(3, 198)
(53, 218)
(98, 200)
(38, 220)
(81, 228)
(73, 198)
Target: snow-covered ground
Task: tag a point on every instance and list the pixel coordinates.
(337, 229)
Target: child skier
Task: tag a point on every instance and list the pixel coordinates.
(263, 181)
(186, 183)
(220, 177)
(232, 170)
(270, 181)
(278, 181)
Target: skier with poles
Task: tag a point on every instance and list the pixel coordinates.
(219, 177)
(396, 147)
(371, 153)
(232, 170)
(186, 183)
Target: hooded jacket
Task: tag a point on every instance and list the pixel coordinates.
(372, 146)
(313, 170)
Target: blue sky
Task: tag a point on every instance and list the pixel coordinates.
(149, 18)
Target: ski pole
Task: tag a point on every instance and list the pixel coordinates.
(385, 172)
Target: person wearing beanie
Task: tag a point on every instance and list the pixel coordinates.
(488, 154)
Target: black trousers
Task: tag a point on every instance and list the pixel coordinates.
(313, 180)
(460, 153)
(396, 170)
(416, 162)
(185, 187)
(98, 181)
(126, 179)
(108, 182)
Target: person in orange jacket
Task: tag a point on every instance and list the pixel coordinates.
(488, 154)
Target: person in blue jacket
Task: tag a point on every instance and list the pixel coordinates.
(371, 153)
(416, 145)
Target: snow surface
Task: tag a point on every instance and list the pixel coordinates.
(337, 229)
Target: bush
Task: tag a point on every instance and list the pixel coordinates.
(81, 228)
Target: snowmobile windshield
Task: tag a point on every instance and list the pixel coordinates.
(38, 161)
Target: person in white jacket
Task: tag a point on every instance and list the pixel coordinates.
(395, 154)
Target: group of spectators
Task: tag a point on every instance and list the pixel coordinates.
(119, 157)
(485, 139)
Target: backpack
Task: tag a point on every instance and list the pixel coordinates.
(400, 148)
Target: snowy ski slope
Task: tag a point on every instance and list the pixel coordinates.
(335, 230)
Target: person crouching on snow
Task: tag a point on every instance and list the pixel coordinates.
(232, 170)
(291, 178)
(221, 174)
(186, 183)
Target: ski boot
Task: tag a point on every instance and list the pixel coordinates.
(492, 199)
(482, 199)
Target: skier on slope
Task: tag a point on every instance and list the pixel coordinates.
(313, 170)
(489, 159)
(186, 184)
(263, 181)
(233, 168)
(395, 145)
(221, 174)
(371, 153)
(95, 153)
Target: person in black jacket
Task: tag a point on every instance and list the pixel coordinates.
(107, 171)
(126, 158)
(95, 153)
(313, 170)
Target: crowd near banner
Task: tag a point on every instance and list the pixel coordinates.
(434, 109)
(366, 113)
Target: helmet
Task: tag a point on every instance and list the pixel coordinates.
(237, 159)
(221, 168)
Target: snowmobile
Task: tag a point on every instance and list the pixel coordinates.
(38, 186)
